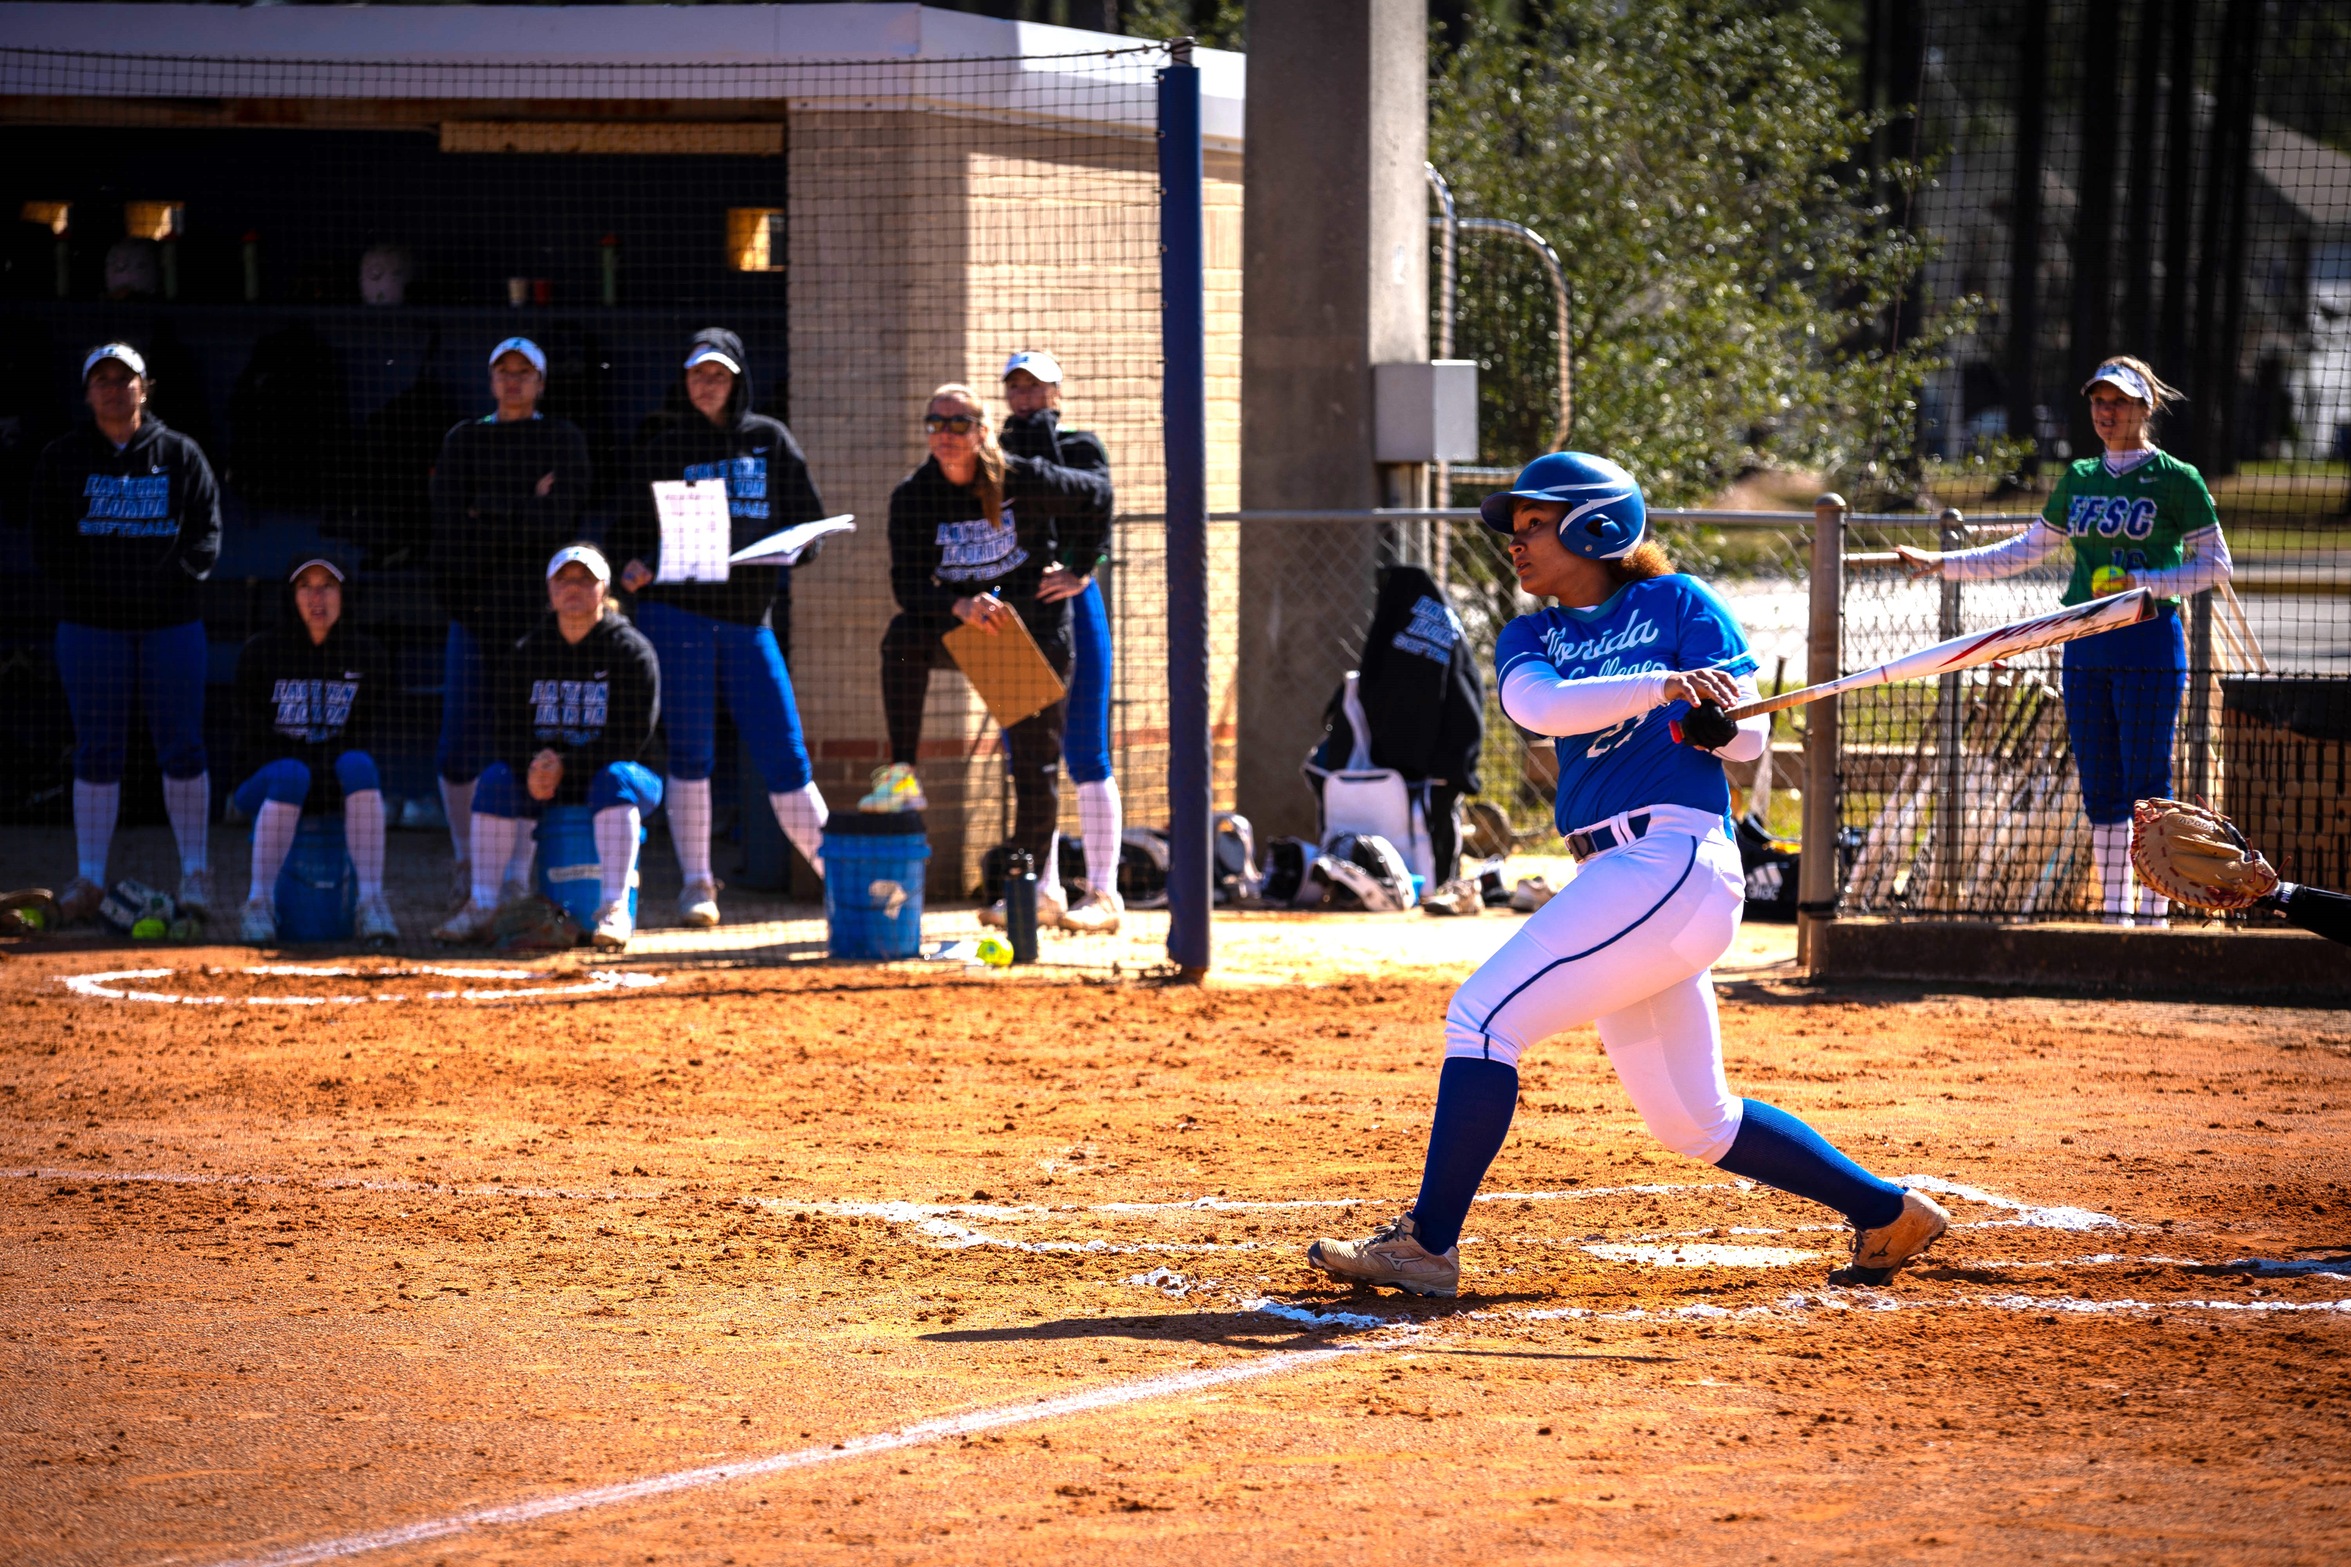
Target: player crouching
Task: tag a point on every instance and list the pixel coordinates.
(575, 704)
(1630, 673)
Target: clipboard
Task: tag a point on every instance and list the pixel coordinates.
(1007, 670)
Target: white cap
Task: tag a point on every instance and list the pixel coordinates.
(523, 346)
(706, 354)
(322, 563)
(587, 555)
(1036, 362)
(122, 351)
(2124, 380)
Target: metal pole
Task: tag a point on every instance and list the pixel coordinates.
(1184, 348)
(1950, 712)
(1816, 887)
(1448, 224)
(2199, 736)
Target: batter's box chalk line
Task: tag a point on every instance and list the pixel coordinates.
(590, 982)
(1175, 1384)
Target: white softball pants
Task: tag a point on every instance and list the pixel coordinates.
(1627, 945)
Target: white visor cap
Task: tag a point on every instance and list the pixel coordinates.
(122, 351)
(707, 355)
(523, 346)
(2124, 380)
(587, 555)
(1036, 362)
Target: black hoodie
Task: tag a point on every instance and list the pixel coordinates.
(594, 702)
(124, 536)
(311, 701)
(1040, 435)
(768, 489)
(493, 531)
(942, 549)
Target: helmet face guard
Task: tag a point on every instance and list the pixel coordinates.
(1606, 517)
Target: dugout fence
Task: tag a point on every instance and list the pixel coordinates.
(316, 258)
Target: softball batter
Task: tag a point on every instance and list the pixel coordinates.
(1629, 674)
(2137, 517)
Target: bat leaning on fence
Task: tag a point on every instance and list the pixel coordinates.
(1974, 650)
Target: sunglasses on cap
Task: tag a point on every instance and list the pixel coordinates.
(953, 424)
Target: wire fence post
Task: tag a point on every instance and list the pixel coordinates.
(1950, 721)
(1816, 887)
(2200, 783)
(1183, 314)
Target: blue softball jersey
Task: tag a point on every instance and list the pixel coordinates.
(1661, 623)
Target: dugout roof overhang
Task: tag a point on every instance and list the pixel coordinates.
(675, 56)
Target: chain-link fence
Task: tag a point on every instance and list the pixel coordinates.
(321, 272)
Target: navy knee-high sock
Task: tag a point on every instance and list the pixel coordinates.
(1777, 1149)
(1475, 1100)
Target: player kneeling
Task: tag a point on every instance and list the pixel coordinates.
(575, 705)
(308, 697)
(1630, 674)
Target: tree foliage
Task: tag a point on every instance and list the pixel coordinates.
(1733, 266)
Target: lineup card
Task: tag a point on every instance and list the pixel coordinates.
(696, 530)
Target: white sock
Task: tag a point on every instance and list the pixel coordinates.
(518, 862)
(188, 802)
(1100, 825)
(363, 834)
(273, 835)
(2153, 905)
(1049, 873)
(802, 815)
(95, 806)
(2110, 850)
(688, 804)
(457, 801)
(492, 842)
(617, 827)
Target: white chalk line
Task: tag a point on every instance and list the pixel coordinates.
(1165, 1385)
(101, 986)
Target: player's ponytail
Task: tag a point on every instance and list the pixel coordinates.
(989, 481)
(1647, 559)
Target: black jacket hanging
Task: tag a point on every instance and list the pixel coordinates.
(1422, 692)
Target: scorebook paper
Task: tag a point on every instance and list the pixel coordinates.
(784, 549)
(695, 529)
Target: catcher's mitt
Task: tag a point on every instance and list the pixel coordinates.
(534, 924)
(2194, 855)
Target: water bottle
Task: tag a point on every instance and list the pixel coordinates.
(1020, 906)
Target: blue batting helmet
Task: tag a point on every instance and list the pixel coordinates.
(1605, 514)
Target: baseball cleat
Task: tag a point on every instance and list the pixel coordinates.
(79, 900)
(1391, 1256)
(1457, 897)
(373, 921)
(614, 926)
(698, 903)
(1095, 914)
(1530, 894)
(1879, 1254)
(259, 923)
(895, 788)
(196, 893)
(470, 924)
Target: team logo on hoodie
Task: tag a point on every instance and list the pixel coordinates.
(128, 506)
(571, 710)
(978, 550)
(746, 478)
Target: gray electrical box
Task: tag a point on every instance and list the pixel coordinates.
(1425, 412)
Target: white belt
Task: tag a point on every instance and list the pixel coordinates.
(1631, 826)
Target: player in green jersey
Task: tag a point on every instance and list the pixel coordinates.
(2137, 517)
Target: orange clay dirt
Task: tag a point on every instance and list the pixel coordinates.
(282, 1281)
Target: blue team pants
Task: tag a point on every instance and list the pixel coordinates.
(2122, 707)
(499, 792)
(702, 659)
(102, 670)
(1085, 737)
(287, 780)
(465, 706)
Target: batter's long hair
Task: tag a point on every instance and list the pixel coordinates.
(989, 481)
(1648, 559)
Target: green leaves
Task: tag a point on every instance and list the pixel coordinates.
(1696, 166)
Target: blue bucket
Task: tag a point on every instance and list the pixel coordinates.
(317, 891)
(567, 869)
(873, 871)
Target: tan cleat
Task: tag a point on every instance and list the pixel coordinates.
(698, 903)
(1392, 1256)
(79, 901)
(1879, 1254)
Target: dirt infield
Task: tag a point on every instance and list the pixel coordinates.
(842, 1265)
